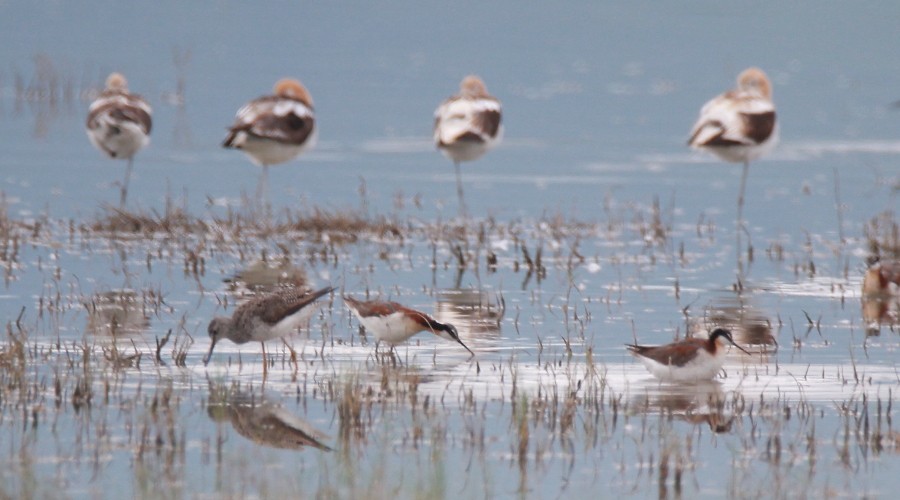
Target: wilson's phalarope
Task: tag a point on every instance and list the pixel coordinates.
(688, 360)
(393, 323)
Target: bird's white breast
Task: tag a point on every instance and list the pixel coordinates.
(704, 366)
(287, 326)
(393, 328)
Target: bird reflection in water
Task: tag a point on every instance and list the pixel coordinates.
(265, 275)
(696, 403)
(748, 324)
(881, 296)
(472, 311)
(262, 421)
(116, 313)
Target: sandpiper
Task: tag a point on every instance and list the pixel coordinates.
(275, 128)
(467, 125)
(739, 126)
(393, 323)
(688, 360)
(265, 317)
(119, 123)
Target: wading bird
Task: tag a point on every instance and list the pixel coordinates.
(688, 360)
(275, 128)
(467, 125)
(393, 323)
(739, 126)
(118, 124)
(266, 317)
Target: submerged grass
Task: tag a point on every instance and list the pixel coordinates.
(882, 234)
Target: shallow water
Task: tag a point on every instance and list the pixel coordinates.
(629, 234)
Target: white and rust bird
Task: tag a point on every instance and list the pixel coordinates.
(275, 128)
(393, 323)
(266, 317)
(467, 125)
(740, 125)
(119, 123)
(688, 360)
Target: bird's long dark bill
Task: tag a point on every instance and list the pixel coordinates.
(741, 348)
(209, 354)
(464, 345)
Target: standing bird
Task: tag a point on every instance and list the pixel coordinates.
(119, 123)
(393, 323)
(467, 125)
(739, 126)
(689, 360)
(265, 317)
(274, 129)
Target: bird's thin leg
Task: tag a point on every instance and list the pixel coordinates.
(394, 356)
(262, 190)
(265, 360)
(124, 192)
(740, 217)
(379, 356)
(459, 190)
(741, 194)
(293, 354)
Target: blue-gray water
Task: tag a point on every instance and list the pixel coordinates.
(598, 100)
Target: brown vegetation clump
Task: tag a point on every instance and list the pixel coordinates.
(882, 235)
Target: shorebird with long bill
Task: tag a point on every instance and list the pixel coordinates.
(467, 125)
(688, 360)
(118, 124)
(393, 323)
(266, 317)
